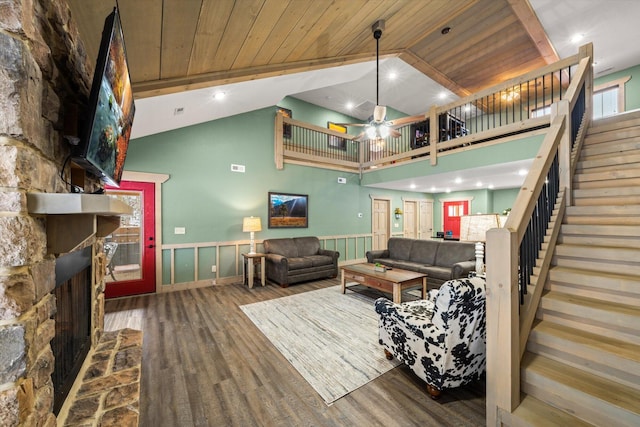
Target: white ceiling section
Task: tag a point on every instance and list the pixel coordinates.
(612, 26)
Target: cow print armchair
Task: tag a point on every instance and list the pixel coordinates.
(443, 338)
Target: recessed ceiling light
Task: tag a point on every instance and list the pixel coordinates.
(433, 188)
(219, 96)
(479, 184)
(349, 105)
(576, 38)
(523, 172)
(448, 190)
(393, 75)
(490, 186)
(442, 95)
(458, 180)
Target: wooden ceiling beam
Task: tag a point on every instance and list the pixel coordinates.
(180, 84)
(435, 75)
(531, 23)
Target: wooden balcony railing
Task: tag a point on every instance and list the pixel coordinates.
(522, 104)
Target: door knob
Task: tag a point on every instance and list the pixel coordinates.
(151, 246)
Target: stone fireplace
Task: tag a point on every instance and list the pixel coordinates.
(44, 82)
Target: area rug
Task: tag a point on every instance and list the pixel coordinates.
(329, 337)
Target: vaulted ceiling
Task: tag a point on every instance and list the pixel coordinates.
(181, 52)
(176, 45)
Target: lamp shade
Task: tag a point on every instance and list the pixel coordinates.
(473, 228)
(251, 223)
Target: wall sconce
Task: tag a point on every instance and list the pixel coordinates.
(398, 213)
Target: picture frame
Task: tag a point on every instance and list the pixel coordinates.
(335, 141)
(287, 210)
(286, 128)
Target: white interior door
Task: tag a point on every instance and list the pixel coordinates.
(410, 225)
(380, 223)
(425, 221)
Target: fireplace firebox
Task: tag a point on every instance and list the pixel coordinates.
(72, 340)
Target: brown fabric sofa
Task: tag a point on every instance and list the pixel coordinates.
(439, 260)
(298, 259)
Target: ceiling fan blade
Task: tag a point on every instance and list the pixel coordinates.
(360, 137)
(406, 120)
(353, 124)
(394, 133)
(379, 113)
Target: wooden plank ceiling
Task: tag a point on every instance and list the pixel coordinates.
(175, 45)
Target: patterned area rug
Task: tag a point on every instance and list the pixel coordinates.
(329, 337)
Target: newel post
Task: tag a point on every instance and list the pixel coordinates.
(503, 324)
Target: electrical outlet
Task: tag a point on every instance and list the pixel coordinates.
(342, 180)
(214, 268)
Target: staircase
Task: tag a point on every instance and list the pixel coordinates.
(582, 362)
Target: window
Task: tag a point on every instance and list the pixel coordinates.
(542, 111)
(608, 98)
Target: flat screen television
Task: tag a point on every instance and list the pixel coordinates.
(103, 145)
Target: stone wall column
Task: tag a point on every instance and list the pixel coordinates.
(42, 68)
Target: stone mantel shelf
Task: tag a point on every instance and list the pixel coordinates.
(72, 218)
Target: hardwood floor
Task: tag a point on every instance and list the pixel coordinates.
(206, 364)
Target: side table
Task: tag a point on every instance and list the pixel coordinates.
(248, 271)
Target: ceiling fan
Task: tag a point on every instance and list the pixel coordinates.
(379, 127)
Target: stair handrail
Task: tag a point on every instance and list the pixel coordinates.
(508, 322)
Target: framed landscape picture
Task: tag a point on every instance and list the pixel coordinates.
(288, 210)
(336, 141)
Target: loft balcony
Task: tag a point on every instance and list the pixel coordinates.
(522, 105)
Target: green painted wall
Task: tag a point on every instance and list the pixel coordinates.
(209, 200)
(632, 87)
(205, 197)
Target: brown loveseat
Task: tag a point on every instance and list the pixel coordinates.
(298, 259)
(439, 260)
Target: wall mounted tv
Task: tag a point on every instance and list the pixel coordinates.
(103, 145)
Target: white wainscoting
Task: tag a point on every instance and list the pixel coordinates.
(189, 265)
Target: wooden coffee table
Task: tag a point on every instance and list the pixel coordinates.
(394, 281)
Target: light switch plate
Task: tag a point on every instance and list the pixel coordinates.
(179, 230)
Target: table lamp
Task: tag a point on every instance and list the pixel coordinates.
(473, 228)
(251, 224)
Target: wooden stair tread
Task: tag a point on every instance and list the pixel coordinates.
(617, 182)
(621, 173)
(618, 159)
(602, 389)
(534, 412)
(593, 304)
(611, 281)
(617, 254)
(619, 348)
(605, 230)
(607, 192)
(603, 210)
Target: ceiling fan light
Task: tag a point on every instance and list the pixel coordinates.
(371, 132)
(384, 131)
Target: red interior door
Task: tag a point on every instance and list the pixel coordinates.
(451, 217)
(131, 249)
